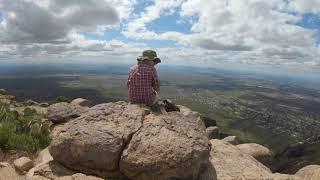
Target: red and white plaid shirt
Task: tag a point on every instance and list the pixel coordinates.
(142, 84)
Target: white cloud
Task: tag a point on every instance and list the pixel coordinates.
(29, 21)
(222, 31)
(304, 6)
(248, 31)
(150, 14)
(35, 28)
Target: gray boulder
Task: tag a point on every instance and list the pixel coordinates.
(63, 112)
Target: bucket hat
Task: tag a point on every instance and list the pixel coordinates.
(149, 55)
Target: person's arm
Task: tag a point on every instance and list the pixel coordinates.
(155, 80)
(129, 77)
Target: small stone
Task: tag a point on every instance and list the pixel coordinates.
(4, 164)
(3, 92)
(82, 102)
(30, 102)
(213, 132)
(23, 164)
(231, 139)
(44, 104)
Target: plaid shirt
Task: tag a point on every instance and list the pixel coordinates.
(142, 84)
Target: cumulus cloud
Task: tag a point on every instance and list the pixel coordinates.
(33, 28)
(30, 21)
(229, 31)
(304, 6)
(250, 31)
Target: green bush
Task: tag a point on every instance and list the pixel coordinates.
(62, 99)
(22, 132)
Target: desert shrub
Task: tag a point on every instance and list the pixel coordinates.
(62, 99)
(22, 132)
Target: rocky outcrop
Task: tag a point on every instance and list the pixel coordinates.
(126, 141)
(116, 139)
(259, 152)
(63, 112)
(229, 162)
(82, 102)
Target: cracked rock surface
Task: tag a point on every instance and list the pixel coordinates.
(167, 146)
(63, 112)
(127, 140)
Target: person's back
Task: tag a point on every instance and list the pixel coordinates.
(143, 83)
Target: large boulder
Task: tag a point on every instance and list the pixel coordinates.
(311, 172)
(82, 102)
(170, 146)
(117, 140)
(93, 142)
(259, 152)
(231, 163)
(63, 112)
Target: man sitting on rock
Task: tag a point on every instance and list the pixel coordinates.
(143, 83)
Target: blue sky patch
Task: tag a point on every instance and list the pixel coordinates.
(141, 6)
(311, 21)
(109, 34)
(170, 23)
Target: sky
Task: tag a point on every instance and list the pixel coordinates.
(271, 33)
